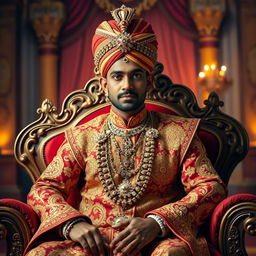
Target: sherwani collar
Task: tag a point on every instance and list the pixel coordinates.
(132, 122)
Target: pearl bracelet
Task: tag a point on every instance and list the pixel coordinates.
(161, 224)
(69, 225)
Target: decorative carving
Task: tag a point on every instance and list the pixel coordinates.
(26, 149)
(17, 247)
(208, 21)
(123, 16)
(143, 5)
(47, 18)
(234, 246)
(231, 135)
(208, 16)
(3, 232)
(237, 220)
(250, 226)
(18, 229)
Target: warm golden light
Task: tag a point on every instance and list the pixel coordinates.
(213, 67)
(252, 128)
(5, 137)
(201, 74)
(223, 68)
(214, 79)
(206, 67)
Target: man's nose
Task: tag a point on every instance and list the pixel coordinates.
(127, 84)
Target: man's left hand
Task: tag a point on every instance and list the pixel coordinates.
(137, 233)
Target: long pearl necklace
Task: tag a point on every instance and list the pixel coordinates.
(126, 194)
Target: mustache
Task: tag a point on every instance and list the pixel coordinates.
(128, 92)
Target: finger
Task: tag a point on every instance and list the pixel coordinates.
(135, 250)
(132, 248)
(99, 242)
(129, 240)
(85, 245)
(119, 238)
(126, 249)
(91, 244)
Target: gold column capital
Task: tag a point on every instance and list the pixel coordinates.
(208, 21)
(208, 15)
(47, 18)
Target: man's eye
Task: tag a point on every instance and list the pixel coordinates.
(137, 76)
(117, 77)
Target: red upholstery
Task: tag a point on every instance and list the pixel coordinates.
(216, 218)
(221, 209)
(25, 209)
(209, 140)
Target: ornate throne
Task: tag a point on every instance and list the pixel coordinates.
(225, 140)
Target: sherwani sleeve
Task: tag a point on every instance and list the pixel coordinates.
(204, 190)
(48, 195)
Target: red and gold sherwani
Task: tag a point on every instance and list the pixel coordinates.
(183, 188)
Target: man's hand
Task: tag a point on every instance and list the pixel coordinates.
(89, 237)
(137, 233)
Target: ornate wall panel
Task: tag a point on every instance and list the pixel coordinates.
(8, 98)
(247, 40)
(8, 77)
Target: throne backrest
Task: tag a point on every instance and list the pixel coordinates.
(225, 139)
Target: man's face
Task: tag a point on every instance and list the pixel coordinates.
(126, 84)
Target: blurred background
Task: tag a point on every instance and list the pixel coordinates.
(45, 52)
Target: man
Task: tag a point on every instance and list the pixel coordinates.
(147, 183)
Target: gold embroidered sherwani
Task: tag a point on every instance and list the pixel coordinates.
(183, 188)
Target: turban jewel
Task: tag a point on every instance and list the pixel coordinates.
(124, 37)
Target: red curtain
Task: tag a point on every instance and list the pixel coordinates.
(77, 11)
(171, 23)
(179, 11)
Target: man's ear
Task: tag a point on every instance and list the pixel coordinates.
(103, 83)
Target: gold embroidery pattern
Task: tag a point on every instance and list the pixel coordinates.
(182, 217)
(132, 122)
(76, 150)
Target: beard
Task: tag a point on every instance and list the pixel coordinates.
(128, 105)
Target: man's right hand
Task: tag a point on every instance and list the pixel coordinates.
(89, 237)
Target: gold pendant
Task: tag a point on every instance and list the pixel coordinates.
(125, 187)
(118, 220)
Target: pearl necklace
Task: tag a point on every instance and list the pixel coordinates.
(125, 194)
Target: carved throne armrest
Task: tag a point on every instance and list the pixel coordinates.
(231, 219)
(18, 222)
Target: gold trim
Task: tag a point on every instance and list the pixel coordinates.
(231, 135)
(18, 230)
(233, 226)
(144, 5)
(188, 140)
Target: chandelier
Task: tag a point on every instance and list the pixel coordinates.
(213, 78)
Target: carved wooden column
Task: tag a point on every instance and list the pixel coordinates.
(208, 15)
(47, 18)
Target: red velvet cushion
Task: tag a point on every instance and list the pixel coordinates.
(209, 140)
(221, 209)
(25, 210)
